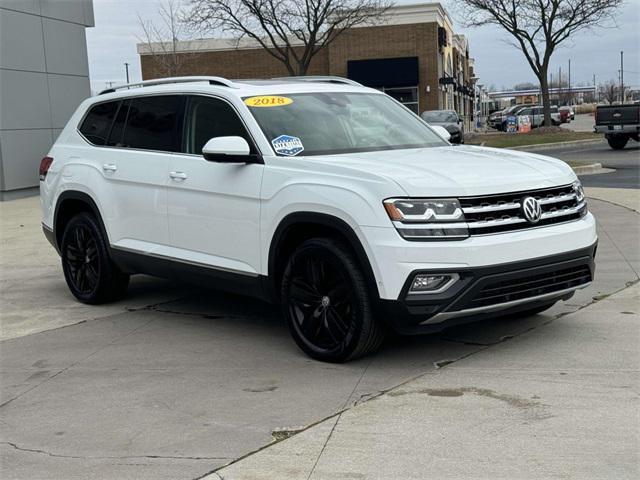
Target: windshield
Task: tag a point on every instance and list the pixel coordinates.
(440, 116)
(338, 122)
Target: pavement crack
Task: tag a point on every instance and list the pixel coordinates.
(109, 457)
(59, 372)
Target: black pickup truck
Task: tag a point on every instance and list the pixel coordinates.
(619, 123)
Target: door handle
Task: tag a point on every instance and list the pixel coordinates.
(109, 167)
(178, 175)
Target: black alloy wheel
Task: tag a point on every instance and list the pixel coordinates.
(81, 256)
(327, 303)
(90, 273)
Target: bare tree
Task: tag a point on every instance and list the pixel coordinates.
(291, 31)
(160, 38)
(539, 27)
(609, 91)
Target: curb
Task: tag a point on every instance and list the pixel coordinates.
(593, 169)
(551, 146)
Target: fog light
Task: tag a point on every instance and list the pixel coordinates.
(429, 283)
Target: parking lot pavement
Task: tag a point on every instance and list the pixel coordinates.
(624, 163)
(175, 381)
(583, 122)
(559, 401)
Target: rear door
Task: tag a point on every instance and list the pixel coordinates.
(135, 164)
(214, 208)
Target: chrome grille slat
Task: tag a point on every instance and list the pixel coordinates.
(491, 208)
(502, 212)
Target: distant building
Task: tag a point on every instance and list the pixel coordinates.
(412, 54)
(44, 75)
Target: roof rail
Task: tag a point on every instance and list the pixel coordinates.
(321, 78)
(164, 81)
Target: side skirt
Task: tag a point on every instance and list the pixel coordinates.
(200, 275)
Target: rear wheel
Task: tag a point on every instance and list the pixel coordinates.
(90, 274)
(617, 143)
(327, 304)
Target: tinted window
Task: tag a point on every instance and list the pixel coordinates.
(115, 137)
(209, 117)
(152, 123)
(97, 123)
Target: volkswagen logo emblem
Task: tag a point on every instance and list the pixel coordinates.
(531, 209)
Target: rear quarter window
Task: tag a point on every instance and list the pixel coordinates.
(97, 122)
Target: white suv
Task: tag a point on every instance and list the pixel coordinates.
(325, 196)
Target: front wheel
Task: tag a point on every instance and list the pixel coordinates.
(617, 143)
(88, 269)
(327, 304)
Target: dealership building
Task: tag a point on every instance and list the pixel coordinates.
(412, 53)
(44, 75)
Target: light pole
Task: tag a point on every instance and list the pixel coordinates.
(126, 68)
(621, 77)
(570, 99)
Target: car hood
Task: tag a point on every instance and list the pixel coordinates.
(458, 170)
(450, 126)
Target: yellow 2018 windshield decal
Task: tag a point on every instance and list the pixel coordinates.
(268, 101)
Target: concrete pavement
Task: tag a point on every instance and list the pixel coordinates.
(559, 401)
(174, 381)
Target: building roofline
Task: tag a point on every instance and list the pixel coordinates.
(397, 15)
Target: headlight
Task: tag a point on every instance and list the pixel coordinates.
(427, 218)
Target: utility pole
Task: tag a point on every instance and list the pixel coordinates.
(559, 91)
(622, 77)
(570, 99)
(126, 67)
(595, 89)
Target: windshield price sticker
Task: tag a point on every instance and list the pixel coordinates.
(287, 145)
(268, 101)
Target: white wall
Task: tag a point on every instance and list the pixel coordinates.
(44, 75)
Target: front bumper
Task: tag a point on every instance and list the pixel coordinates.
(490, 291)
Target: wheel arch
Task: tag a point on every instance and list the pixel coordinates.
(300, 226)
(69, 204)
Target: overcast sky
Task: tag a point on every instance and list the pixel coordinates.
(112, 42)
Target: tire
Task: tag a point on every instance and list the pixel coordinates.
(327, 304)
(617, 143)
(88, 269)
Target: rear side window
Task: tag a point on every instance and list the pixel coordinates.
(152, 123)
(209, 117)
(96, 125)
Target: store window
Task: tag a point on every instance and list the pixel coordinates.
(408, 96)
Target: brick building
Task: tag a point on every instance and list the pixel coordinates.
(412, 54)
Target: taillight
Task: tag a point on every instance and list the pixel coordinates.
(45, 164)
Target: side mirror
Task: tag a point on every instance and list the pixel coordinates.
(441, 131)
(229, 150)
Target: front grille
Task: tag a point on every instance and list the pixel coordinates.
(503, 291)
(502, 213)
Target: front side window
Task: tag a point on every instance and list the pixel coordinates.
(96, 125)
(326, 123)
(153, 123)
(210, 117)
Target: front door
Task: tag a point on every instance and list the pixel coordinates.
(214, 208)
